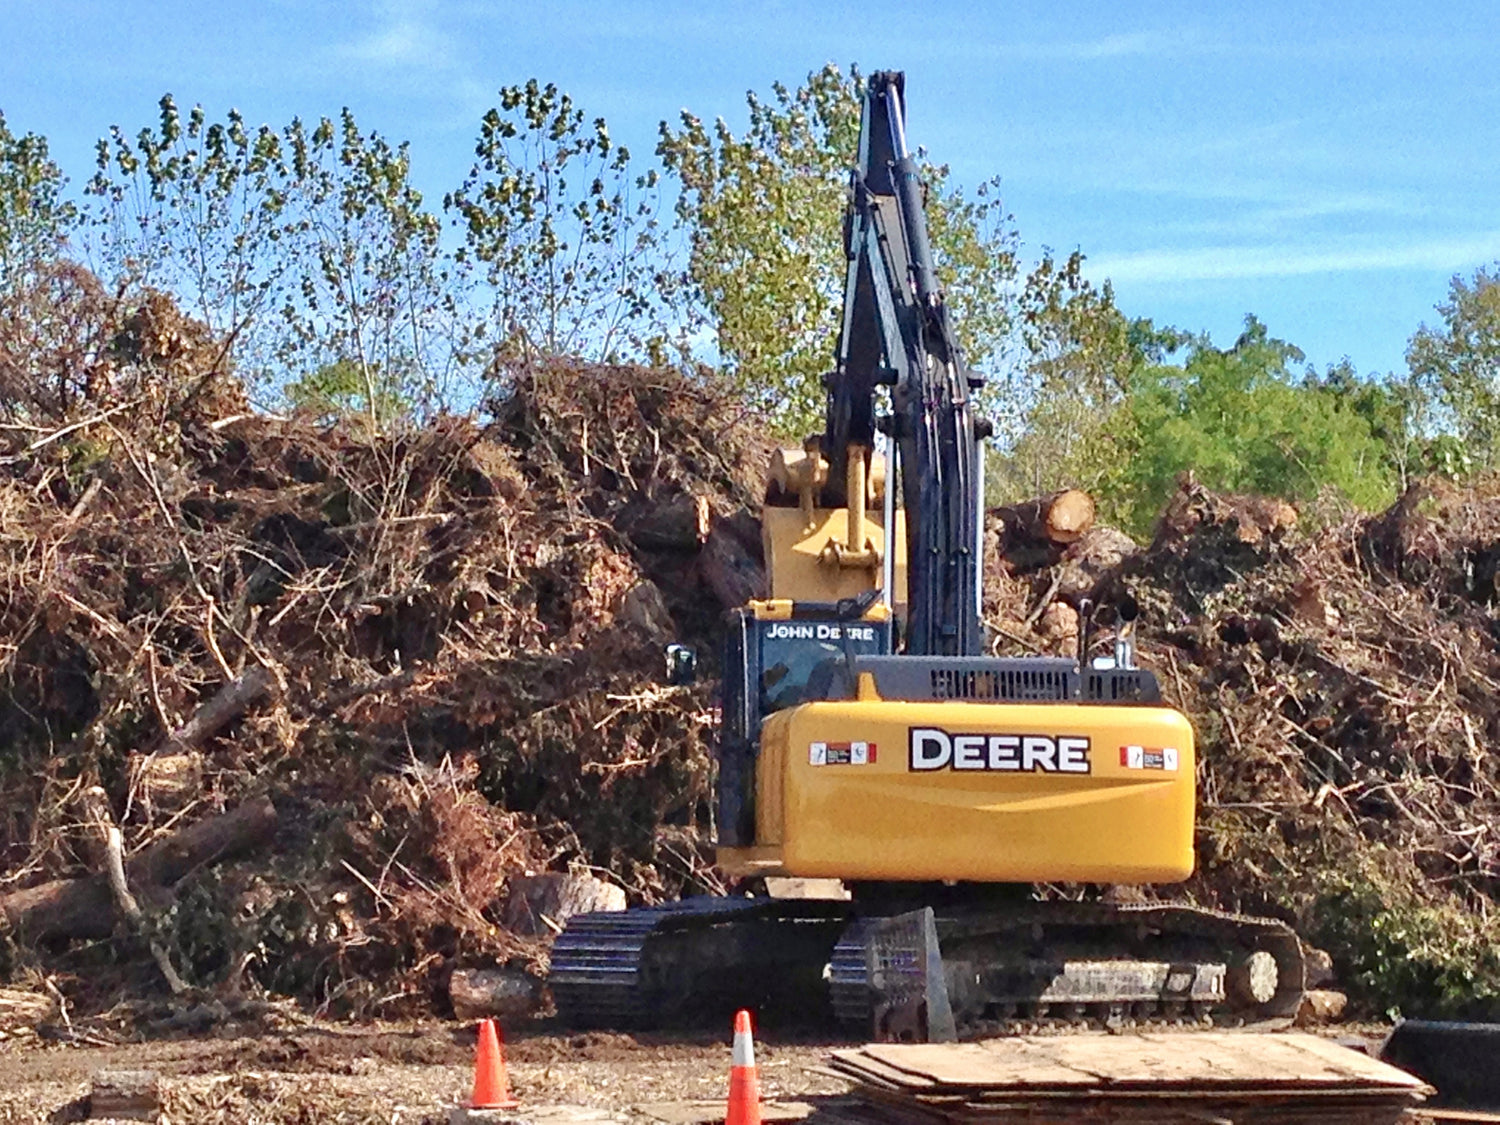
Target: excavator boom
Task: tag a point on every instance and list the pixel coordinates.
(896, 333)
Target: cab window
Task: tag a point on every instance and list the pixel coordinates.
(797, 658)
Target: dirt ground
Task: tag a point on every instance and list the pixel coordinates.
(395, 1074)
(413, 1073)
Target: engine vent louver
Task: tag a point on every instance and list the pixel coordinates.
(1121, 686)
(1015, 680)
(992, 684)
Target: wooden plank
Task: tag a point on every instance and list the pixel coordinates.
(1226, 1059)
(1219, 1060)
(875, 1072)
(1361, 1064)
(996, 1062)
(706, 1111)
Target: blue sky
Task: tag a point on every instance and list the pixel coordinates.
(1327, 167)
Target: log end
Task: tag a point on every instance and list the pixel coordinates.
(130, 1095)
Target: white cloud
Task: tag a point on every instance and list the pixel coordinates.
(1134, 43)
(1150, 44)
(1219, 263)
(402, 43)
(408, 43)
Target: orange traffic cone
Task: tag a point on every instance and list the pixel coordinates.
(491, 1086)
(744, 1079)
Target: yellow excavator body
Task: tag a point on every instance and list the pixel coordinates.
(876, 790)
(868, 732)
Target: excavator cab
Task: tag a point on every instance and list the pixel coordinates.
(781, 654)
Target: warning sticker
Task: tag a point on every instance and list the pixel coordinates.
(841, 754)
(1148, 758)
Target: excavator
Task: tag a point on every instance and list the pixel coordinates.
(866, 736)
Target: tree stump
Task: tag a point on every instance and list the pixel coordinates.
(1061, 518)
(539, 905)
(730, 570)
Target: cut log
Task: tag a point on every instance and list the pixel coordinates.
(1319, 966)
(1058, 626)
(678, 524)
(1060, 518)
(729, 570)
(539, 905)
(1320, 1006)
(745, 527)
(20, 1009)
(820, 890)
(84, 908)
(1097, 552)
(504, 994)
(166, 782)
(131, 1095)
(1249, 519)
(125, 902)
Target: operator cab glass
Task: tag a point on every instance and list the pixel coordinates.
(801, 661)
(770, 665)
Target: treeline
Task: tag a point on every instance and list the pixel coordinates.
(335, 287)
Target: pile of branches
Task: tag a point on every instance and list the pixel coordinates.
(293, 708)
(350, 683)
(1342, 672)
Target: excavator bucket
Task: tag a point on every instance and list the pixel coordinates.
(1462, 1060)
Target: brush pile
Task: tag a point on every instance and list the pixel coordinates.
(437, 653)
(329, 695)
(1344, 682)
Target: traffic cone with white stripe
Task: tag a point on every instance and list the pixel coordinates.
(744, 1079)
(491, 1083)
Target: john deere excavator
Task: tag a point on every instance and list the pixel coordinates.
(867, 737)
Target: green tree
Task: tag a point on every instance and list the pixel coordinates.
(53, 313)
(766, 260)
(1458, 365)
(1397, 412)
(35, 218)
(1077, 355)
(204, 211)
(299, 247)
(1241, 420)
(377, 295)
(343, 388)
(567, 235)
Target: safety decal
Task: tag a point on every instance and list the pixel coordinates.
(841, 754)
(1147, 758)
(934, 749)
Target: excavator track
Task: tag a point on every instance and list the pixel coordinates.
(673, 964)
(1003, 968)
(1079, 962)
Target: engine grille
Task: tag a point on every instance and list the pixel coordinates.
(1015, 680)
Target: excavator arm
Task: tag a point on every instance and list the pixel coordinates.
(896, 332)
